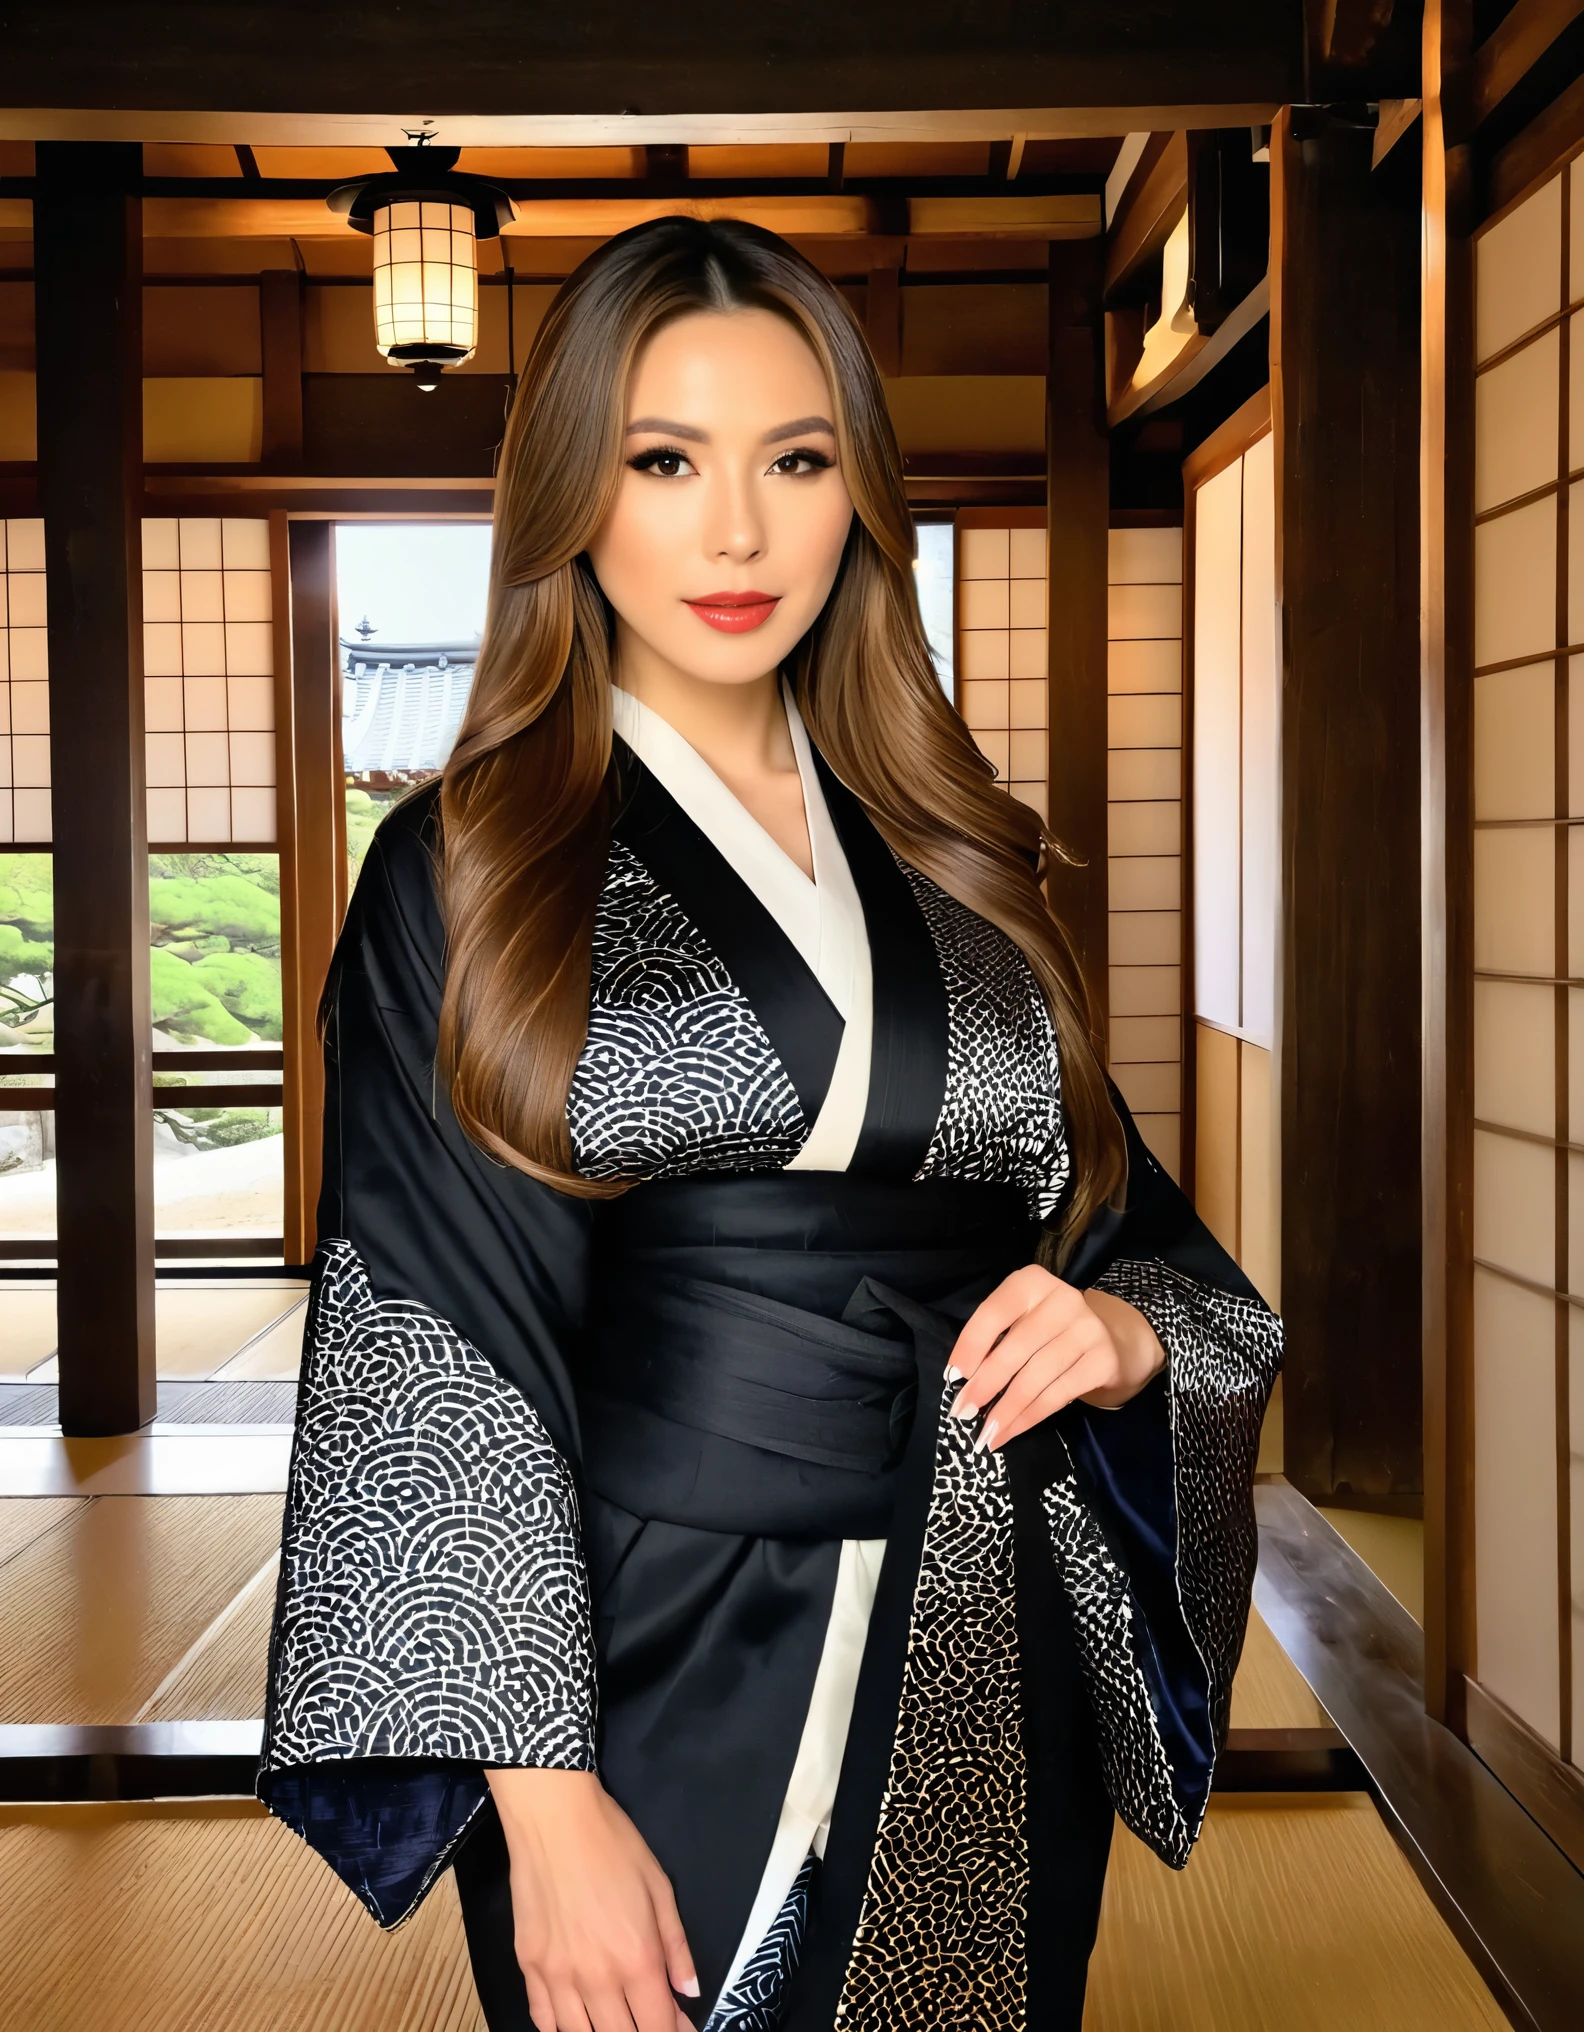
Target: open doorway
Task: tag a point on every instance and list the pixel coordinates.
(410, 597)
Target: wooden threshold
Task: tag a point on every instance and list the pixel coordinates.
(219, 1759)
(1514, 1902)
(48, 1763)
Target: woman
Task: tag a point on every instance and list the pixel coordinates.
(774, 1456)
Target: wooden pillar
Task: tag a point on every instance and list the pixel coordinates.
(87, 233)
(1446, 581)
(1078, 469)
(313, 865)
(1345, 416)
(280, 333)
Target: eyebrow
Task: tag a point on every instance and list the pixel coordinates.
(800, 428)
(690, 434)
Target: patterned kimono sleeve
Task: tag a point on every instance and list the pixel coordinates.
(1152, 1521)
(432, 1618)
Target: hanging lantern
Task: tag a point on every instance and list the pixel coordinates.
(426, 222)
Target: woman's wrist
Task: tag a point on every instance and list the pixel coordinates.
(1140, 1356)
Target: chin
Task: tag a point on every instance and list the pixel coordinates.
(734, 659)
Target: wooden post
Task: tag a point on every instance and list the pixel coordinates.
(1345, 418)
(316, 865)
(1446, 736)
(280, 332)
(88, 254)
(1078, 466)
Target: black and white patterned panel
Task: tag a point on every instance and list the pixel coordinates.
(756, 2001)
(1001, 1119)
(941, 1938)
(1222, 1354)
(434, 1601)
(677, 1075)
(1132, 1755)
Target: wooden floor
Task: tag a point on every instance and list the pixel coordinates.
(1296, 1914)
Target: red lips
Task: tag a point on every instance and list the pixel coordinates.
(735, 613)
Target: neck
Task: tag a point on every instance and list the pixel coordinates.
(739, 728)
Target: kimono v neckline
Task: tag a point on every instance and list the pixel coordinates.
(790, 896)
(822, 919)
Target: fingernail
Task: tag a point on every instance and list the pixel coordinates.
(690, 1988)
(954, 1375)
(986, 1437)
(963, 1410)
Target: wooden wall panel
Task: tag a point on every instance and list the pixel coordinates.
(1345, 411)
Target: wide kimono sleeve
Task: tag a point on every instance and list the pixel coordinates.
(432, 1619)
(1149, 1509)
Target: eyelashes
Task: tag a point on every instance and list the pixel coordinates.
(669, 461)
(819, 462)
(657, 455)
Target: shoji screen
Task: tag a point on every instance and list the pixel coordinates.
(1528, 1401)
(1236, 1174)
(209, 696)
(1144, 789)
(24, 684)
(1003, 686)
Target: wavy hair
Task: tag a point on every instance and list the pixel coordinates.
(526, 798)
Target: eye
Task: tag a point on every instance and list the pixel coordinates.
(663, 460)
(804, 460)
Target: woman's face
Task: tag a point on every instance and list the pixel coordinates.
(731, 512)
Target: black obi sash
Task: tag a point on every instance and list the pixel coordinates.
(742, 1376)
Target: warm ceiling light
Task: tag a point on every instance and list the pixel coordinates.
(425, 222)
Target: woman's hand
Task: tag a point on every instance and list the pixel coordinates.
(598, 1936)
(1036, 1344)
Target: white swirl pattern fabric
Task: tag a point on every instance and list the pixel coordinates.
(940, 1937)
(757, 2000)
(1001, 1119)
(1222, 1353)
(434, 1600)
(677, 1075)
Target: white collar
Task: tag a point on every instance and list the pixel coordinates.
(770, 872)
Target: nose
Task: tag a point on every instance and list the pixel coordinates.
(734, 531)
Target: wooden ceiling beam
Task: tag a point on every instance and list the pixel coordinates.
(1053, 122)
(1348, 30)
(1502, 62)
(1150, 208)
(821, 214)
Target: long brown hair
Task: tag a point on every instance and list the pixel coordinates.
(525, 800)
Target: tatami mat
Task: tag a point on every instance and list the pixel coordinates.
(99, 1606)
(1269, 1691)
(244, 1326)
(28, 1336)
(208, 1917)
(1296, 1912)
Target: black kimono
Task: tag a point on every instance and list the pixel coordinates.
(664, 1485)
